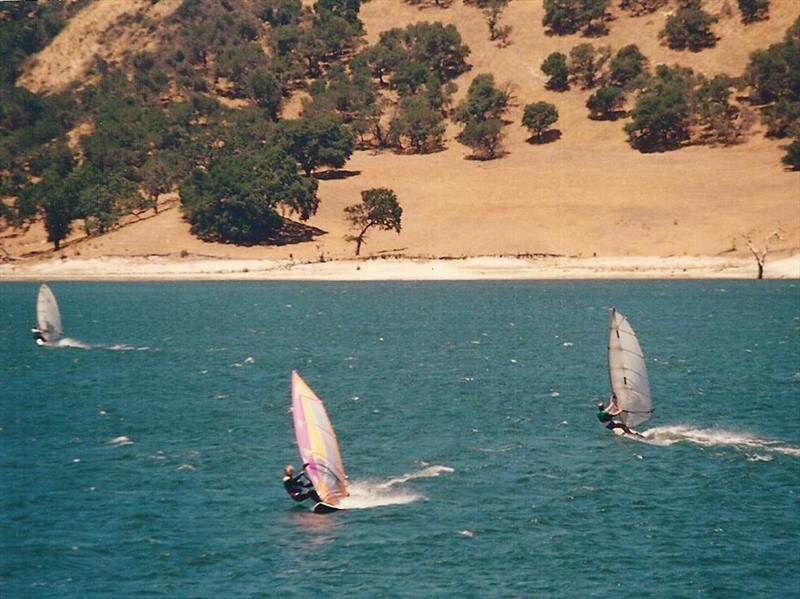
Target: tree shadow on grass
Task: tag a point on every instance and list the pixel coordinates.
(335, 174)
(547, 137)
(611, 115)
(292, 232)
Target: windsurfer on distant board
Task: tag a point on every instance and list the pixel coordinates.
(607, 414)
(298, 487)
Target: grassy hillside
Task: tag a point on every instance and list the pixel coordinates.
(586, 192)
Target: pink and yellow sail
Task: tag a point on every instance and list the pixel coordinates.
(317, 444)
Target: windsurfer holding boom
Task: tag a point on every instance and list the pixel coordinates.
(298, 487)
(607, 414)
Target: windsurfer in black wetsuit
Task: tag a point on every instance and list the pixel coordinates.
(607, 415)
(38, 335)
(298, 487)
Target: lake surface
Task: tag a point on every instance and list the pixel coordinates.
(465, 417)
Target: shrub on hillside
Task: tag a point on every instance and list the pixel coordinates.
(606, 102)
(662, 114)
(689, 28)
(563, 17)
(586, 63)
(792, 156)
(418, 124)
(641, 7)
(481, 113)
(555, 67)
(754, 10)
(484, 137)
(538, 117)
(627, 66)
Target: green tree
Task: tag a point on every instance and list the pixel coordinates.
(537, 117)
(754, 10)
(439, 46)
(689, 27)
(484, 137)
(481, 113)
(774, 76)
(315, 142)
(419, 123)
(492, 11)
(627, 66)
(160, 173)
(662, 114)
(585, 63)
(484, 101)
(236, 199)
(605, 102)
(569, 16)
(713, 110)
(555, 67)
(57, 199)
(792, 156)
(266, 92)
(378, 208)
(409, 76)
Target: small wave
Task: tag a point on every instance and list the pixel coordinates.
(70, 342)
(427, 472)
(367, 493)
(120, 441)
(123, 347)
(668, 435)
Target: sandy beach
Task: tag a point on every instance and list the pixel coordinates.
(396, 269)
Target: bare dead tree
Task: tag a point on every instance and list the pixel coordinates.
(761, 257)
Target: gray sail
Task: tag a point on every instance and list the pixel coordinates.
(48, 317)
(628, 372)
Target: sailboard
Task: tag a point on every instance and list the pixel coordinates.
(319, 450)
(48, 316)
(628, 372)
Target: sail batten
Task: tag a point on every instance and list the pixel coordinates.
(628, 372)
(48, 316)
(317, 444)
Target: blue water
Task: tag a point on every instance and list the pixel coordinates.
(465, 418)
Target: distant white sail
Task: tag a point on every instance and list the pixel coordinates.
(628, 372)
(48, 317)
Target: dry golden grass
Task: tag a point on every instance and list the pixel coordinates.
(586, 193)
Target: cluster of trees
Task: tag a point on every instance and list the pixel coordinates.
(564, 17)
(689, 27)
(154, 128)
(154, 124)
(418, 63)
(587, 67)
(481, 113)
(773, 75)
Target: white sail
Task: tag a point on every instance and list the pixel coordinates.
(48, 317)
(628, 372)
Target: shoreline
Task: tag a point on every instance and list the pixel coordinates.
(475, 268)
